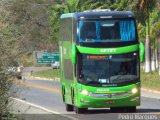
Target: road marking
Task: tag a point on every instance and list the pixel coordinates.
(43, 108)
(39, 86)
(59, 91)
(50, 89)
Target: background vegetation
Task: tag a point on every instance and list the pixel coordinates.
(8, 53)
(24, 27)
(50, 74)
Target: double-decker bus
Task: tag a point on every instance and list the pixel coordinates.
(99, 60)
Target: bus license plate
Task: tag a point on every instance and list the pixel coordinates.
(111, 102)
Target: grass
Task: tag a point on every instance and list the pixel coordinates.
(50, 73)
(27, 60)
(8, 116)
(150, 80)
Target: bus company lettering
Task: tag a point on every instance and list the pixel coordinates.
(108, 50)
(102, 90)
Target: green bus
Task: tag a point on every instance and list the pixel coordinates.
(100, 60)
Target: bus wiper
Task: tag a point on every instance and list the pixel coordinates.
(117, 78)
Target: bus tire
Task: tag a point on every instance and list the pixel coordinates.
(79, 110)
(72, 97)
(117, 109)
(63, 94)
(63, 97)
(69, 108)
(123, 109)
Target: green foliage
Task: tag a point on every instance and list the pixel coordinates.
(31, 20)
(155, 24)
(141, 32)
(121, 5)
(150, 80)
(27, 60)
(142, 9)
(8, 54)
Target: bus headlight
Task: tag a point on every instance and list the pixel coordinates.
(84, 92)
(134, 90)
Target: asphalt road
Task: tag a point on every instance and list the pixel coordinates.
(47, 94)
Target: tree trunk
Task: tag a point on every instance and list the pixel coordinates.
(153, 60)
(147, 55)
(156, 56)
(159, 60)
(159, 57)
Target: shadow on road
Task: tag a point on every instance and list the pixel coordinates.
(102, 111)
(148, 110)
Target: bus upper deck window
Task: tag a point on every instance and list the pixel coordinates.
(127, 30)
(117, 30)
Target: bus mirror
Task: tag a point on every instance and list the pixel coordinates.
(73, 54)
(142, 50)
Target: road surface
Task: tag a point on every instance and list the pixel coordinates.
(46, 93)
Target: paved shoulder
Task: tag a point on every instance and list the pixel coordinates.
(28, 111)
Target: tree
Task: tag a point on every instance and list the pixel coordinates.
(155, 22)
(146, 7)
(31, 19)
(156, 34)
(121, 5)
(8, 53)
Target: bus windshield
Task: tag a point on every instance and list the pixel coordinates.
(108, 69)
(114, 30)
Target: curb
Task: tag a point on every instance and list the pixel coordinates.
(42, 108)
(151, 91)
(40, 78)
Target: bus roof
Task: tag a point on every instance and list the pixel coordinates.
(99, 14)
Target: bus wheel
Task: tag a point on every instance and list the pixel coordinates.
(63, 94)
(123, 109)
(131, 109)
(79, 110)
(69, 107)
(63, 97)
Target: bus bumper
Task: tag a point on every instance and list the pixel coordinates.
(88, 101)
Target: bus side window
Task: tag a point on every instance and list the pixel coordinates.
(67, 29)
(88, 31)
(68, 68)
